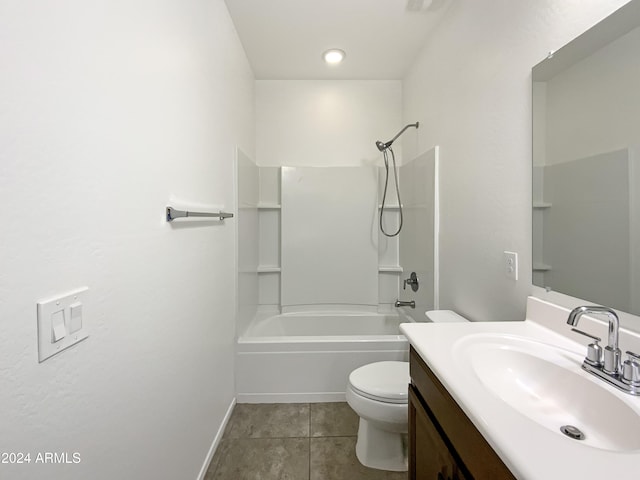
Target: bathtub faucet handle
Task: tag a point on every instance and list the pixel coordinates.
(413, 281)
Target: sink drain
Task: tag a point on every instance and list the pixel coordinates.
(572, 432)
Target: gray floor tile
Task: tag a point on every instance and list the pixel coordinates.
(264, 459)
(333, 420)
(334, 458)
(286, 420)
(221, 451)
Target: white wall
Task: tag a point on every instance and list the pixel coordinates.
(325, 122)
(471, 91)
(109, 110)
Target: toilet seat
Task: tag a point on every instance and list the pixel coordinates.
(385, 382)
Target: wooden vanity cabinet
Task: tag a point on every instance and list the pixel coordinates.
(443, 443)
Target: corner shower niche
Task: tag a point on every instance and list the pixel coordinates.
(269, 213)
(325, 249)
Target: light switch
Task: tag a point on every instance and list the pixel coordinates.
(61, 322)
(58, 331)
(75, 322)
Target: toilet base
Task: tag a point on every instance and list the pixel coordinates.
(381, 449)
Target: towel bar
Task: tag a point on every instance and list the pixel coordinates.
(172, 214)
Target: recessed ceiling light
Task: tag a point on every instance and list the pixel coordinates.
(334, 56)
(418, 5)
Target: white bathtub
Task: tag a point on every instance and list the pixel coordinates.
(307, 357)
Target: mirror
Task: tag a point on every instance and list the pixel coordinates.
(586, 165)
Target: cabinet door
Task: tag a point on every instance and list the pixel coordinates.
(429, 456)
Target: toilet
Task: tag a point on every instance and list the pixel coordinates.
(378, 393)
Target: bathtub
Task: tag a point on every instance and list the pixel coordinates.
(307, 356)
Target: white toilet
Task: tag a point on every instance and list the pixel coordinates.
(378, 393)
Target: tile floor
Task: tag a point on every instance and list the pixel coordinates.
(308, 441)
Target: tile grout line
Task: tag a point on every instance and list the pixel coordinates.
(309, 460)
(309, 445)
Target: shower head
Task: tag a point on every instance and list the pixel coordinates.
(383, 146)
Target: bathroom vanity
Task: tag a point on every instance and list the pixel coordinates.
(501, 400)
(444, 444)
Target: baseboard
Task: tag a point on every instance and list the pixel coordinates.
(291, 397)
(216, 440)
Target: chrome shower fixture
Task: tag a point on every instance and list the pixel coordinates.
(383, 146)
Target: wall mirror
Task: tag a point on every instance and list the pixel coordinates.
(586, 165)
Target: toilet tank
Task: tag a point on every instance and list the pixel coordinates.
(444, 316)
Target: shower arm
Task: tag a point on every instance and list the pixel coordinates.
(388, 144)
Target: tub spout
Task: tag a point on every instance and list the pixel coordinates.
(400, 303)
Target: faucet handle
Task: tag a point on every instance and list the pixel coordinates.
(594, 351)
(413, 281)
(634, 357)
(631, 369)
(592, 337)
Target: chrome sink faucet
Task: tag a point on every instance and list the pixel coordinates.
(627, 377)
(611, 351)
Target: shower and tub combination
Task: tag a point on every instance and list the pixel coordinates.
(319, 269)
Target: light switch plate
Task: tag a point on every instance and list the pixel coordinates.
(50, 328)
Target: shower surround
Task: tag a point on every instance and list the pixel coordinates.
(317, 279)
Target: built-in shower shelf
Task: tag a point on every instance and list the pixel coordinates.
(541, 205)
(396, 207)
(269, 269)
(269, 206)
(541, 267)
(390, 268)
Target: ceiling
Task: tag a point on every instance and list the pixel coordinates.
(285, 39)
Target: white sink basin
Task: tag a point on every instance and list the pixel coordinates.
(546, 384)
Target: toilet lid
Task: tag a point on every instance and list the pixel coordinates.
(444, 316)
(382, 381)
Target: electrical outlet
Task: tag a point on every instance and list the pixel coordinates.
(511, 265)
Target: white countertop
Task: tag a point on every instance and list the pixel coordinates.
(531, 451)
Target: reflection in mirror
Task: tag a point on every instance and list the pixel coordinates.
(586, 165)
